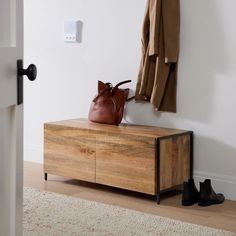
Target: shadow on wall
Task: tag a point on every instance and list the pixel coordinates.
(215, 156)
(139, 112)
(80, 25)
(203, 55)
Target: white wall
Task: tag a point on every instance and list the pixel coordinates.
(110, 51)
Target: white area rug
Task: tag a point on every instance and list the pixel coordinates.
(50, 214)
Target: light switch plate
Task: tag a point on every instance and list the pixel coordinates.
(71, 31)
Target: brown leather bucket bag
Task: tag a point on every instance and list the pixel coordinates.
(108, 105)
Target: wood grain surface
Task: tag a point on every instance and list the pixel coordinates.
(126, 162)
(121, 156)
(125, 129)
(69, 152)
(174, 161)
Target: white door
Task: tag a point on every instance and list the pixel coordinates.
(11, 122)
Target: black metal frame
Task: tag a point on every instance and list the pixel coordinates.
(157, 152)
(45, 176)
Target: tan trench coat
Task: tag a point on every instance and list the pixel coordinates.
(157, 79)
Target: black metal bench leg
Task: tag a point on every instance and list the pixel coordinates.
(45, 176)
(158, 199)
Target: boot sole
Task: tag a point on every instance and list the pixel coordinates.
(204, 204)
(188, 203)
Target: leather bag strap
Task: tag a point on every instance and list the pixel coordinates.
(112, 89)
(122, 82)
(119, 84)
(130, 99)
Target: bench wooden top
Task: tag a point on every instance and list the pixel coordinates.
(126, 129)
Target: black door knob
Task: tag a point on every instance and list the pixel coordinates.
(30, 72)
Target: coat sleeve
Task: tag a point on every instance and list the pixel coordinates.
(171, 26)
(155, 19)
(145, 30)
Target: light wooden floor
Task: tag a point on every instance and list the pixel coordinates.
(218, 216)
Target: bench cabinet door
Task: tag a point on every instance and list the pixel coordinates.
(69, 152)
(126, 161)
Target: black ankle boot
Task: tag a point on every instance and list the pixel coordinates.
(208, 196)
(190, 193)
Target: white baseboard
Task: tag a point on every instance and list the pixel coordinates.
(225, 184)
(33, 153)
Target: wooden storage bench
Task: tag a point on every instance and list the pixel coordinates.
(145, 159)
